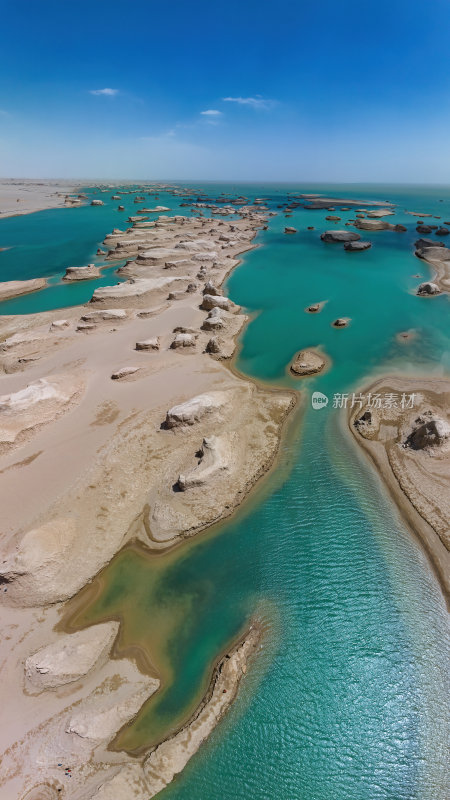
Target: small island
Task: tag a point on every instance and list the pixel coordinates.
(307, 362)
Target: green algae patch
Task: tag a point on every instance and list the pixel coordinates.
(173, 623)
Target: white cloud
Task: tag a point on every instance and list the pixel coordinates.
(211, 112)
(257, 102)
(106, 92)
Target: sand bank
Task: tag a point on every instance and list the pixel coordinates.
(410, 446)
(438, 258)
(10, 289)
(21, 196)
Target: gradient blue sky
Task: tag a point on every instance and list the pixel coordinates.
(325, 90)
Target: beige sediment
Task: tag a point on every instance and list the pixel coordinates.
(417, 480)
(9, 289)
(27, 196)
(172, 755)
(438, 259)
(93, 476)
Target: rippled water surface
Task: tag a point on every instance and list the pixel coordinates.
(347, 699)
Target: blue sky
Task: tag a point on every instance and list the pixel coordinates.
(325, 90)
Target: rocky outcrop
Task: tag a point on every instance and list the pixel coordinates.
(428, 288)
(213, 346)
(180, 262)
(33, 563)
(39, 403)
(155, 255)
(59, 324)
(378, 225)
(290, 230)
(71, 657)
(209, 288)
(215, 320)
(365, 419)
(88, 273)
(341, 322)
(38, 392)
(424, 244)
(197, 246)
(9, 289)
(371, 224)
(123, 372)
(307, 362)
(353, 247)
(85, 327)
(339, 236)
(215, 301)
(429, 431)
(133, 288)
(97, 203)
(105, 315)
(314, 308)
(183, 340)
(380, 212)
(148, 344)
(251, 434)
(193, 410)
(215, 456)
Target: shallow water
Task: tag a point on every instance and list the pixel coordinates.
(347, 700)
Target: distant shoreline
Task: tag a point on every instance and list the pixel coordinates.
(22, 196)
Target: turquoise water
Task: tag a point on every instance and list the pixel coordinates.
(347, 700)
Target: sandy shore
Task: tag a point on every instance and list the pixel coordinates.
(10, 289)
(119, 420)
(410, 446)
(438, 258)
(21, 196)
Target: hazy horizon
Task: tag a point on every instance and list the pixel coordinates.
(92, 180)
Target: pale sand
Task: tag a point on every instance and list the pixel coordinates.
(97, 468)
(21, 196)
(417, 479)
(438, 258)
(10, 289)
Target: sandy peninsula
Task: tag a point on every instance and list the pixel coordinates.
(437, 256)
(9, 289)
(119, 421)
(21, 196)
(409, 443)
